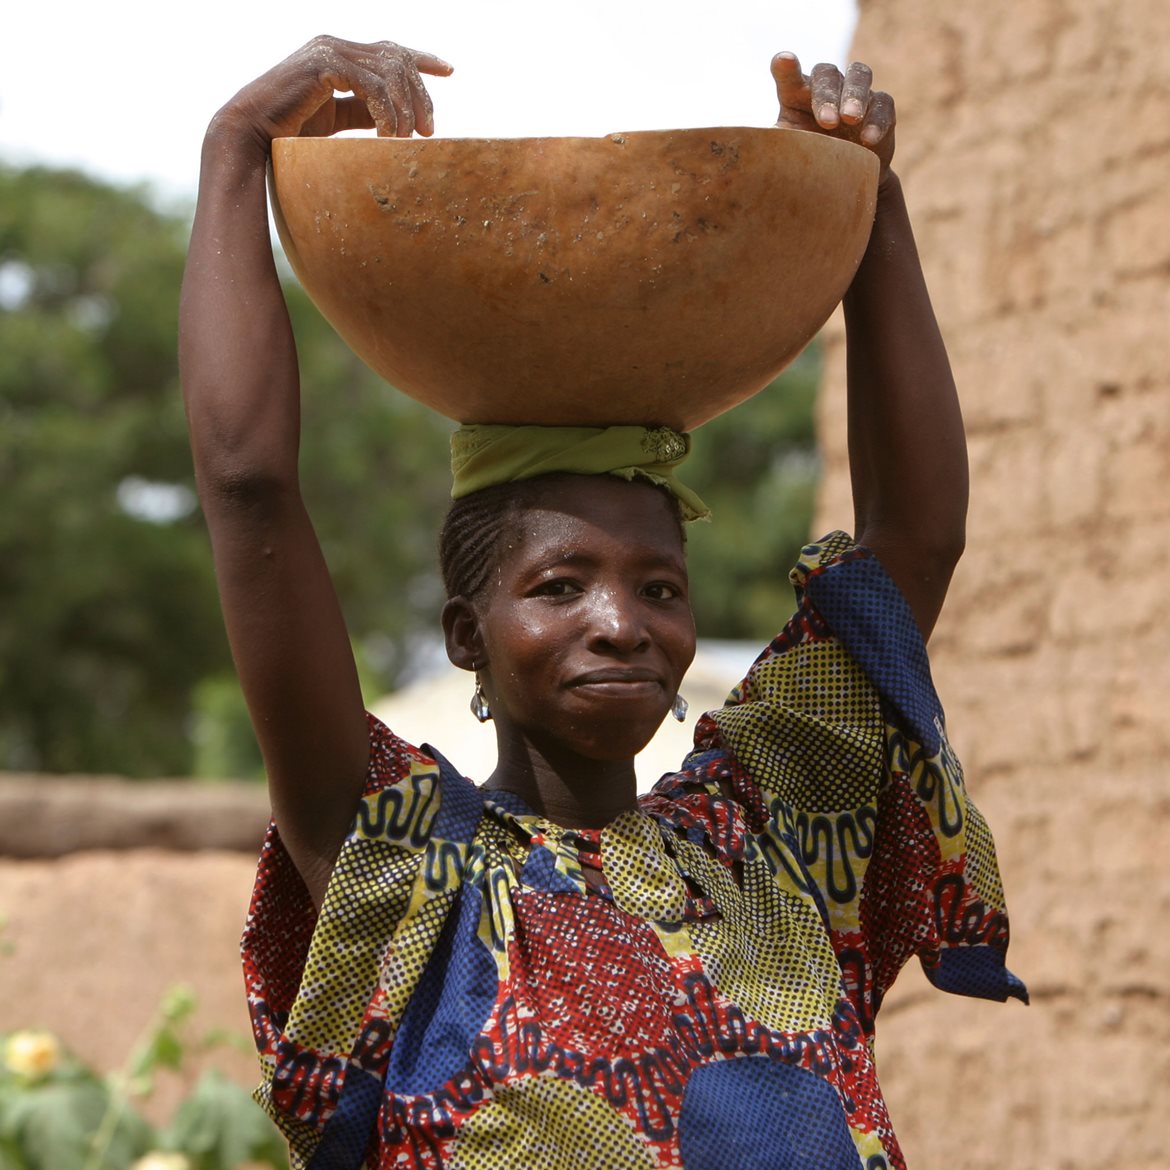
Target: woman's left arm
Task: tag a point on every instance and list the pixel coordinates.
(907, 449)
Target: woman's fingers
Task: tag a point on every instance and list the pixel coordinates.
(791, 83)
(429, 63)
(825, 83)
(350, 113)
(423, 110)
(879, 118)
(855, 93)
(412, 103)
(301, 95)
(386, 78)
(843, 105)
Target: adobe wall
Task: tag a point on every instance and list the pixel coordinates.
(1034, 145)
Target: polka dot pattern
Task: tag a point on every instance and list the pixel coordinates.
(809, 723)
(644, 879)
(768, 953)
(550, 1124)
(344, 963)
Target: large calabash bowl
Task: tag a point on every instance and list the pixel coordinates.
(653, 277)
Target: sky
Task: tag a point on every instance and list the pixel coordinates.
(124, 90)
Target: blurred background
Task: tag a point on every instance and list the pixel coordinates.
(1034, 143)
(113, 651)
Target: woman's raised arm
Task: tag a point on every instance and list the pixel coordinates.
(242, 393)
(907, 449)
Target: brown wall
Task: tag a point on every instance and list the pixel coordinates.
(1034, 145)
(114, 892)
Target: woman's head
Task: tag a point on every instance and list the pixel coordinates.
(568, 594)
(478, 527)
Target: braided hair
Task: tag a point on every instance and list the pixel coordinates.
(478, 526)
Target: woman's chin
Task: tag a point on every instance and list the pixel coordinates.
(621, 745)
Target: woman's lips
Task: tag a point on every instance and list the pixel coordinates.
(623, 683)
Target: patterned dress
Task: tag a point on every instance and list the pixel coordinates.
(694, 985)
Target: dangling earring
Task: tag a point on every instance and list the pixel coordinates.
(479, 703)
(679, 710)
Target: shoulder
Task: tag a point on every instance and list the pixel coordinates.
(847, 593)
(817, 703)
(413, 794)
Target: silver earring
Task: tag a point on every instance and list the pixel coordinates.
(679, 710)
(479, 704)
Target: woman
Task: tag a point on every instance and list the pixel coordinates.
(544, 971)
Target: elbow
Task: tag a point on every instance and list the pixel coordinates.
(935, 549)
(938, 547)
(241, 465)
(942, 550)
(236, 487)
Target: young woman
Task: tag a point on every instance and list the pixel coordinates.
(546, 970)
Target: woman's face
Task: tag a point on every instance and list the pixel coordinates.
(586, 630)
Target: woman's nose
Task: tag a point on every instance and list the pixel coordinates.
(617, 622)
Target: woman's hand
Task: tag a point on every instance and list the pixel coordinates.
(297, 97)
(843, 106)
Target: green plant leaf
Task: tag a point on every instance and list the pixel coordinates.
(179, 1004)
(10, 1158)
(163, 1050)
(51, 1126)
(219, 1127)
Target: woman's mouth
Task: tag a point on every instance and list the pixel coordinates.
(619, 683)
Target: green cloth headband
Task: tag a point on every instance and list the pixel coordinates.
(482, 456)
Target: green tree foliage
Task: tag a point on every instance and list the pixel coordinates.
(107, 618)
(756, 468)
(112, 652)
(108, 613)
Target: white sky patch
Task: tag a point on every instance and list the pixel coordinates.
(16, 283)
(100, 87)
(155, 502)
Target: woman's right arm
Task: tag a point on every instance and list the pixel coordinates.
(242, 394)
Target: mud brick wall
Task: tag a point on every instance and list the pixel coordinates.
(1034, 145)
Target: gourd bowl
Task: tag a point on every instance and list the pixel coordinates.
(652, 277)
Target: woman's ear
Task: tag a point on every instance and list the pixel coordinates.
(461, 635)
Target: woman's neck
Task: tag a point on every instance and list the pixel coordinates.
(574, 793)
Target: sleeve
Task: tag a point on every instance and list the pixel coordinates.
(839, 757)
(326, 990)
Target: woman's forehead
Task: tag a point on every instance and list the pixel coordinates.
(586, 510)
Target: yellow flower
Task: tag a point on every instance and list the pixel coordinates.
(32, 1055)
(159, 1160)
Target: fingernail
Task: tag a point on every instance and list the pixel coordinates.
(870, 134)
(852, 108)
(828, 113)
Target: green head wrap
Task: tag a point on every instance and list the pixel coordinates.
(482, 456)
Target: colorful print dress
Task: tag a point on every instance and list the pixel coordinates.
(694, 985)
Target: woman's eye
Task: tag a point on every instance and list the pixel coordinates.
(662, 591)
(558, 588)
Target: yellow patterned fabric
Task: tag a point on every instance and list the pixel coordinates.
(694, 985)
